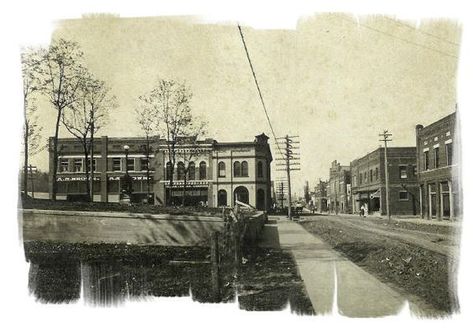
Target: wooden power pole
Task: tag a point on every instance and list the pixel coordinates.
(385, 138)
(288, 156)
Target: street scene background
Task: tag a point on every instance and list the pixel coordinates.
(345, 81)
(323, 170)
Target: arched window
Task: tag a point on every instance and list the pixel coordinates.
(241, 194)
(168, 171)
(260, 169)
(180, 171)
(202, 170)
(222, 198)
(221, 170)
(236, 169)
(191, 171)
(244, 169)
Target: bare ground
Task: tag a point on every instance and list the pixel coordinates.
(419, 264)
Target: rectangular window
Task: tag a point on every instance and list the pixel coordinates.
(366, 177)
(94, 164)
(78, 165)
(403, 171)
(62, 187)
(64, 165)
(426, 160)
(414, 170)
(116, 164)
(144, 164)
(97, 186)
(371, 175)
(376, 174)
(131, 164)
(449, 153)
(137, 186)
(436, 157)
(361, 179)
(113, 186)
(403, 195)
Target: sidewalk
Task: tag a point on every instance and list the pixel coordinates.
(326, 273)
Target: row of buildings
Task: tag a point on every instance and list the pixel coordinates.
(423, 180)
(218, 173)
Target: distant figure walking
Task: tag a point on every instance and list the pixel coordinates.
(362, 210)
(365, 210)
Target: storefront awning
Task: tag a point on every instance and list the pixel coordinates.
(376, 194)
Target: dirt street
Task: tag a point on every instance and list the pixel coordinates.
(420, 263)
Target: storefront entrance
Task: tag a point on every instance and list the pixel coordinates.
(193, 196)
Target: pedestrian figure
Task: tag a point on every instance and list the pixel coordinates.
(362, 210)
(365, 210)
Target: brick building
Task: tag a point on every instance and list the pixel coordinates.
(437, 158)
(220, 173)
(339, 189)
(320, 196)
(369, 187)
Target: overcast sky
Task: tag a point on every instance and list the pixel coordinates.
(333, 82)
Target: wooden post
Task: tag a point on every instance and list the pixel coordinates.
(236, 245)
(214, 259)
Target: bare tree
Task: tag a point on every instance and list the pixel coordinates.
(60, 76)
(31, 129)
(190, 150)
(146, 119)
(86, 116)
(169, 102)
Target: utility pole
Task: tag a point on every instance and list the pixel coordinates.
(287, 161)
(386, 137)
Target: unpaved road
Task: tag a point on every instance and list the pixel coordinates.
(443, 243)
(416, 262)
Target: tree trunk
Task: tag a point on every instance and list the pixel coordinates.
(171, 178)
(92, 159)
(87, 167)
(147, 168)
(184, 189)
(25, 167)
(55, 154)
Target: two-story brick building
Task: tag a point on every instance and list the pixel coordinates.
(320, 196)
(438, 160)
(369, 183)
(219, 173)
(338, 189)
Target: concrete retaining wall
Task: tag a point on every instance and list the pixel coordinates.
(104, 227)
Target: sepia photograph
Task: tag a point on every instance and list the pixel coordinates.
(312, 170)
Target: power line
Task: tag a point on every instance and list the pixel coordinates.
(423, 32)
(257, 87)
(401, 39)
(288, 158)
